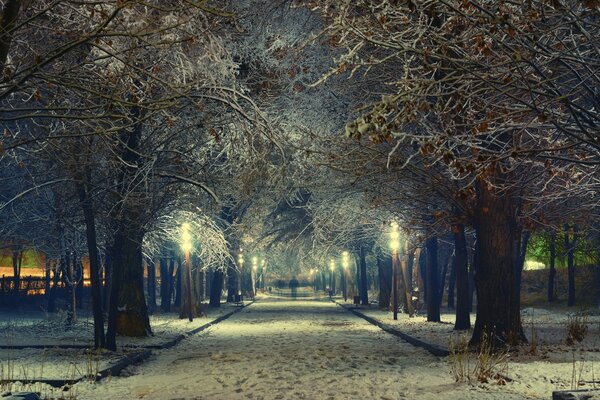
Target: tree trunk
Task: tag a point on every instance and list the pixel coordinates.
(16, 256)
(442, 281)
(8, 19)
(431, 273)
(92, 244)
(231, 282)
(498, 315)
(422, 268)
(463, 317)
(363, 289)
(216, 287)
(151, 285)
(188, 305)
(520, 263)
(472, 269)
(128, 313)
(452, 282)
(69, 288)
(165, 282)
(178, 286)
(107, 280)
(570, 247)
(552, 272)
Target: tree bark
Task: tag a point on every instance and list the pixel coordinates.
(431, 273)
(92, 244)
(216, 287)
(151, 285)
(128, 314)
(552, 272)
(452, 282)
(364, 294)
(498, 317)
(231, 282)
(570, 247)
(165, 282)
(8, 19)
(463, 316)
(177, 301)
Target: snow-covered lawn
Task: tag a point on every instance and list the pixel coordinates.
(54, 363)
(314, 349)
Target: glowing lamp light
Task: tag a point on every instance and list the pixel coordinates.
(186, 238)
(331, 265)
(345, 261)
(394, 237)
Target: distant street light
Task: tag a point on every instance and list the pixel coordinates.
(345, 263)
(253, 275)
(186, 246)
(331, 277)
(240, 280)
(264, 272)
(394, 246)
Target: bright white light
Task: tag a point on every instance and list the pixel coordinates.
(186, 238)
(394, 237)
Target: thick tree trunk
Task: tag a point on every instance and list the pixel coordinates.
(69, 288)
(92, 245)
(433, 304)
(463, 317)
(363, 289)
(552, 272)
(498, 315)
(216, 287)
(128, 314)
(570, 247)
(151, 285)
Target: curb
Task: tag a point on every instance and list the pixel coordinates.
(126, 361)
(579, 394)
(431, 348)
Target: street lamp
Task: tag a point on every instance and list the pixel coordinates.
(345, 263)
(331, 277)
(264, 272)
(186, 246)
(253, 275)
(394, 246)
(239, 283)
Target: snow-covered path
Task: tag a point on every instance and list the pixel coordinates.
(286, 349)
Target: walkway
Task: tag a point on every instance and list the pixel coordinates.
(286, 349)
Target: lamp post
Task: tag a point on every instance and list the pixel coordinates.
(253, 275)
(264, 272)
(186, 246)
(331, 277)
(345, 263)
(394, 246)
(240, 280)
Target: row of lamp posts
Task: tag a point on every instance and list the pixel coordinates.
(253, 273)
(394, 246)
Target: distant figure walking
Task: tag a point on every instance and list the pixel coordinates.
(294, 286)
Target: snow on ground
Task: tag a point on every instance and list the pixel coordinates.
(68, 364)
(313, 349)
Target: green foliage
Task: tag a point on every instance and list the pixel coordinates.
(538, 249)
